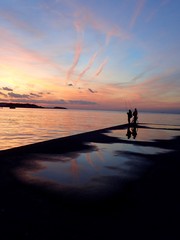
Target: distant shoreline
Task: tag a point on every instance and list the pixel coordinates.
(25, 105)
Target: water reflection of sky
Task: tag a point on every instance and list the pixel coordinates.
(124, 160)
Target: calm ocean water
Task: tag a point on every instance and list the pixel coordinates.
(23, 126)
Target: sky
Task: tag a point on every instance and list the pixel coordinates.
(95, 54)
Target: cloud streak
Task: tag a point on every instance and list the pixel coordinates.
(101, 67)
(77, 54)
(137, 12)
(3, 94)
(89, 65)
(17, 95)
(14, 52)
(14, 19)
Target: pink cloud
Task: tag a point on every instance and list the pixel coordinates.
(86, 18)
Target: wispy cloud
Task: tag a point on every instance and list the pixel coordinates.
(3, 94)
(24, 96)
(90, 63)
(159, 87)
(101, 67)
(17, 95)
(14, 51)
(137, 12)
(81, 102)
(67, 102)
(142, 74)
(20, 62)
(157, 9)
(14, 19)
(35, 95)
(77, 54)
(116, 31)
(153, 90)
(84, 17)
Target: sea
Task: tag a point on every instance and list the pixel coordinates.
(22, 126)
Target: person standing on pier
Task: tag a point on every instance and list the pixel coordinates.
(129, 113)
(135, 116)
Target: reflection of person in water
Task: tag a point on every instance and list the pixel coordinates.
(134, 132)
(131, 132)
(128, 134)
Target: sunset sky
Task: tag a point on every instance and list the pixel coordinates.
(95, 54)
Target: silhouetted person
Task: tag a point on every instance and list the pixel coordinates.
(129, 113)
(135, 116)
